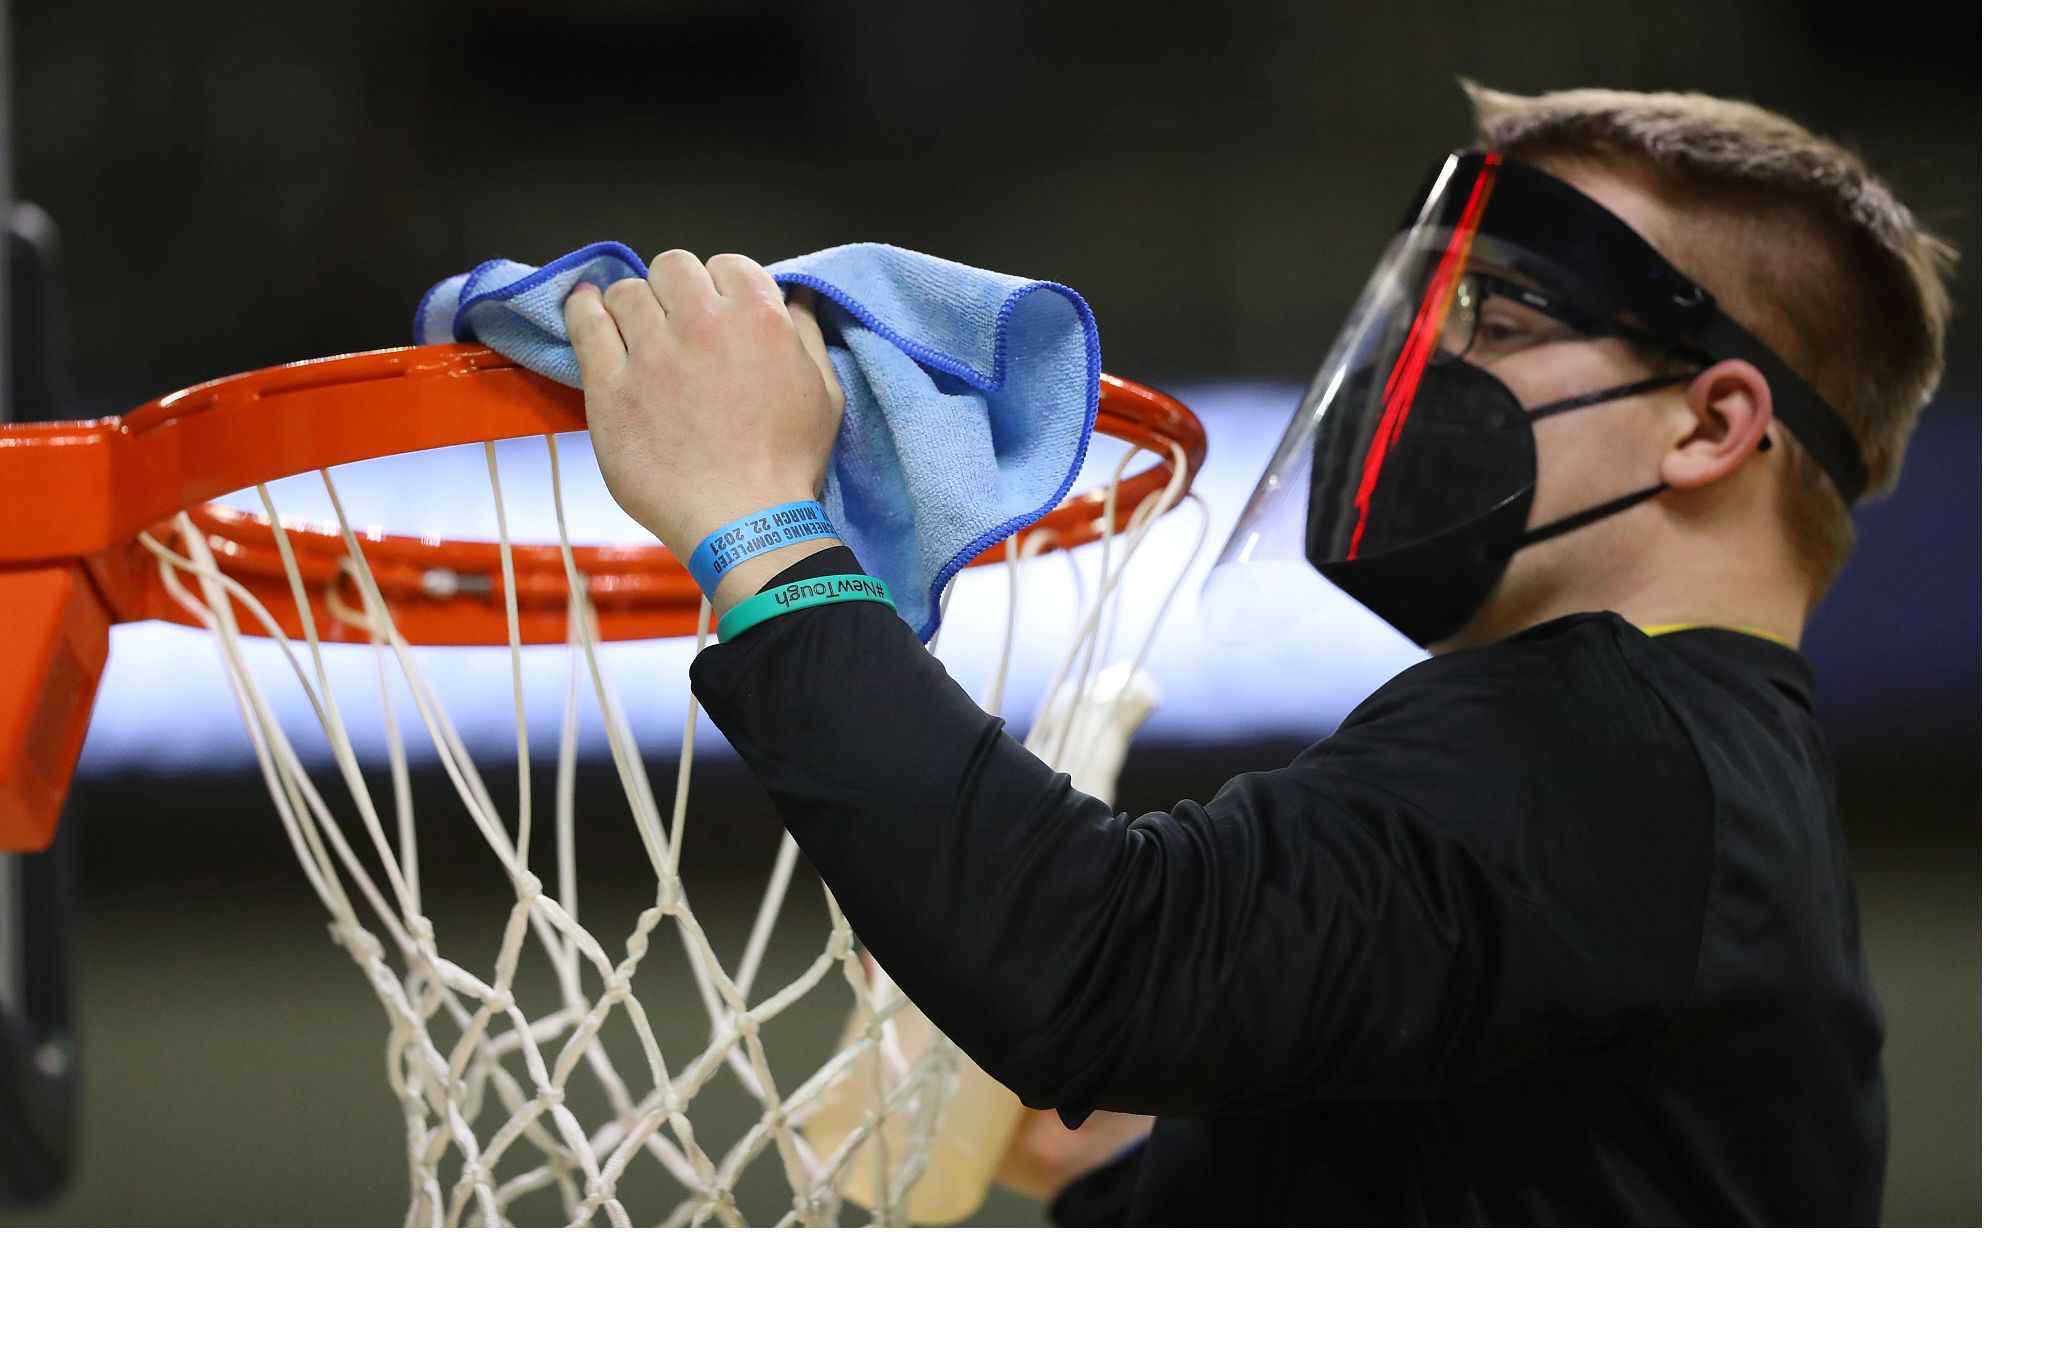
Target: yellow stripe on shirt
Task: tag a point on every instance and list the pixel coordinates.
(1674, 627)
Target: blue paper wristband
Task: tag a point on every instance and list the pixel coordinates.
(771, 528)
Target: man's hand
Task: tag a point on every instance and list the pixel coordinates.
(1045, 1157)
(708, 399)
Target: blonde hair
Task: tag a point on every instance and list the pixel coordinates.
(1799, 241)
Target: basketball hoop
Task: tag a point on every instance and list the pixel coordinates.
(118, 519)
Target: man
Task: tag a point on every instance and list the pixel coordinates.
(1557, 927)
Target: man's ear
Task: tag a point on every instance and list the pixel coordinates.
(1730, 405)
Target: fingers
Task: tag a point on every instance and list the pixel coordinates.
(600, 350)
(740, 278)
(803, 314)
(633, 312)
(634, 308)
(680, 281)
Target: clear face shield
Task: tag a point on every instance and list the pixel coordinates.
(1407, 474)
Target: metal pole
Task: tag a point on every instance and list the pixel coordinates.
(13, 966)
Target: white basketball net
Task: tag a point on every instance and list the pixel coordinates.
(539, 1070)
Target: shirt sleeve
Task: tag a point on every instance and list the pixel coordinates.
(1307, 934)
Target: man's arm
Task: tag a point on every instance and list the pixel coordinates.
(1306, 934)
(1046, 1157)
(1267, 947)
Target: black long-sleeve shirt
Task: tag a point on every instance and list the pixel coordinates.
(1555, 930)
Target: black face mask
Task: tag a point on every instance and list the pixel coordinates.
(1448, 506)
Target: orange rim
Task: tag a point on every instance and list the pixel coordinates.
(79, 493)
(118, 476)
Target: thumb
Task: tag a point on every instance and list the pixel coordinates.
(803, 313)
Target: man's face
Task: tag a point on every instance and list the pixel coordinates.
(1587, 455)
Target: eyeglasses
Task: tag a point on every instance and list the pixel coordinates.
(1522, 317)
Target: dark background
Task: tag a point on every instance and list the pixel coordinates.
(239, 184)
(243, 182)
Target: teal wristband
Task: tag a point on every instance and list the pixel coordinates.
(805, 592)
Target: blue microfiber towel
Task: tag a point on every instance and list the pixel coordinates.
(970, 395)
